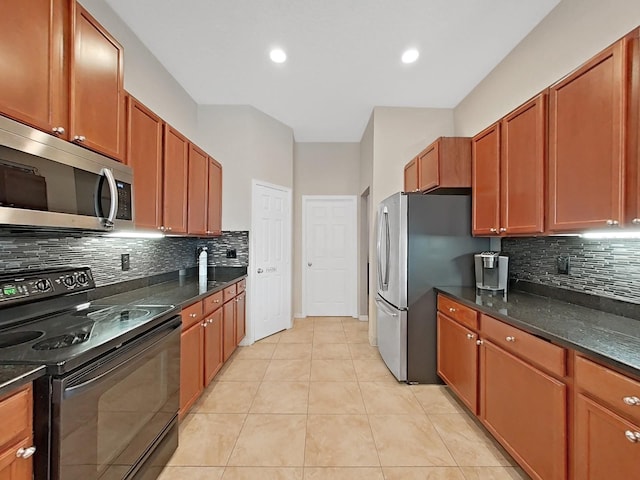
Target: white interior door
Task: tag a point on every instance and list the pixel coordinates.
(329, 256)
(270, 260)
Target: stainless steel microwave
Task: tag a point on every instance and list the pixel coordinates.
(48, 182)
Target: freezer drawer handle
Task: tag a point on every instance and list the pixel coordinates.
(385, 309)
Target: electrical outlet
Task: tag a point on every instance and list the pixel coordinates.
(124, 261)
(231, 253)
(562, 263)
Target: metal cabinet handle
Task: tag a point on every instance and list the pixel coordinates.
(79, 138)
(260, 270)
(612, 223)
(193, 315)
(636, 221)
(502, 230)
(58, 130)
(168, 229)
(510, 339)
(216, 301)
(632, 401)
(479, 342)
(25, 452)
(493, 230)
(204, 324)
(633, 437)
(161, 228)
(451, 309)
(470, 336)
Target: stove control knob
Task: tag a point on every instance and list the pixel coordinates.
(82, 279)
(42, 285)
(69, 281)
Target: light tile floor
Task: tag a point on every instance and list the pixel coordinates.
(317, 402)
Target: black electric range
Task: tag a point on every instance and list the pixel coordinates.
(108, 406)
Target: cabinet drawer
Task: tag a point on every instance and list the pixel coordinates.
(538, 351)
(16, 416)
(191, 314)
(617, 390)
(229, 292)
(465, 315)
(241, 285)
(213, 302)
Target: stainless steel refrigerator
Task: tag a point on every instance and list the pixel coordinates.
(424, 241)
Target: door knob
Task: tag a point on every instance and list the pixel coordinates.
(309, 264)
(260, 270)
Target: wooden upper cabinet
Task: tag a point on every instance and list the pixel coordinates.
(96, 93)
(446, 163)
(411, 176)
(586, 143)
(175, 184)
(522, 162)
(632, 207)
(525, 409)
(33, 84)
(197, 188)
(214, 199)
(144, 155)
(485, 196)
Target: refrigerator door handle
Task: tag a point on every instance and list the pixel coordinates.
(385, 283)
(385, 309)
(383, 279)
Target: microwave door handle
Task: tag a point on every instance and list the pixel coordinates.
(113, 190)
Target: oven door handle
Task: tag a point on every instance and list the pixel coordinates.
(79, 388)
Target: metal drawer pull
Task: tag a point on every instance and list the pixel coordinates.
(635, 221)
(204, 324)
(493, 230)
(511, 339)
(633, 437)
(193, 315)
(79, 138)
(25, 452)
(633, 401)
(479, 342)
(451, 309)
(470, 336)
(613, 223)
(502, 230)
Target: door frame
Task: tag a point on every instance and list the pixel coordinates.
(249, 335)
(353, 253)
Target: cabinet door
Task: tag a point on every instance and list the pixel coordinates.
(632, 206)
(586, 143)
(485, 180)
(13, 467)
(229, 329)
(429, 168)
(33, 84)
(97, 95)
(190, 367)
(212, 346)
(214, 199)
(525, 410)
(411, 176)
(198, 186)
(240, 317)
(144, 155)
(602, 448)
(458, 360)
(176, 155)
(523, 142)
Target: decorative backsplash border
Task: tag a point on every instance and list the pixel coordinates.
(147, 256)
(607, 268)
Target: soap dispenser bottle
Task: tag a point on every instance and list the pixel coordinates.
(201, 253)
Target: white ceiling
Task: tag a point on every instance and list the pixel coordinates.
(343, 55)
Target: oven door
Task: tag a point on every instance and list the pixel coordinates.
(107, 415)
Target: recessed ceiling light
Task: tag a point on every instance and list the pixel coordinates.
(277, 55)
(410, 56)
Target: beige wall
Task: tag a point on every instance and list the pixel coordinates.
(250, 145)
(573, 32)
(319, 169)
(145, 78)
(398, 135)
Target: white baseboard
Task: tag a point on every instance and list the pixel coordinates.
(299, 315)
(363, 318)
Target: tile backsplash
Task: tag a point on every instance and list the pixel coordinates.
(607, 268)
(102, 254)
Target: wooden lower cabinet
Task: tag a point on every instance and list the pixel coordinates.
(606, 445)
(525, 409)
(16, 435)
(212, 346)
(458, 360)
(229, 329)
(241, 329)
(191, 366)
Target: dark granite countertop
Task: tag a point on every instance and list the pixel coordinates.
(612, 339)
(14, 376)
(181, 291)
